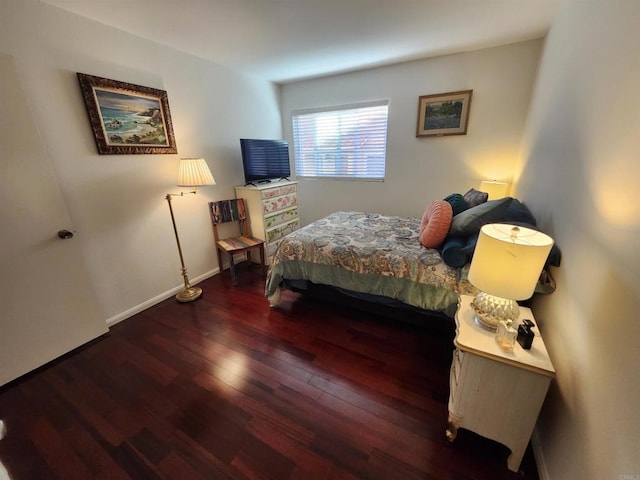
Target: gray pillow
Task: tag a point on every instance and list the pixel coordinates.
(475, 197)
(470, 221)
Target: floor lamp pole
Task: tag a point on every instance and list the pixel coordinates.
(188, 293)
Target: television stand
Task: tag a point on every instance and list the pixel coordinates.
(272, 210)
(255, 183)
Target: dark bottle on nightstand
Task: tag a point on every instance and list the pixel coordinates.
(525, 335)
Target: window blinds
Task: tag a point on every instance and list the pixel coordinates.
(349, 141)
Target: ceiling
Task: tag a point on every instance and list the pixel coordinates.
(288, 40)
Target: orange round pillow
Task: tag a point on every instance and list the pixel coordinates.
(435, 223)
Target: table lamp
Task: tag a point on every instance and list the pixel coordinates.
(192, 172)
(494, 188)
(506, 265)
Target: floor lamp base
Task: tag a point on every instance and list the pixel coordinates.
(189, 294)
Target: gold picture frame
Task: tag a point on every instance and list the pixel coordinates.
(126, 118)
(443, 114)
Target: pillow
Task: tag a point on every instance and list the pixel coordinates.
(518, 212)
(452, 253)
(458, 203)
(457, 251)
(554, 256)
(435, 223)
(470, 221)
(475, 197)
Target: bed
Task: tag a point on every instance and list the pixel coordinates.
(370, 254)
(384, 258)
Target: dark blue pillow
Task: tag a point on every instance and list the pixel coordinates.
(457, 251)
(458, 203)
(518, 212)
(452, 253)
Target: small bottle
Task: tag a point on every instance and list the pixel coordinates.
(506, 335)
(525, 335)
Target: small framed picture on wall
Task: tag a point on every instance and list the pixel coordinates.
(443, 114)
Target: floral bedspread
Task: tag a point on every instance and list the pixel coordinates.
(369, 253)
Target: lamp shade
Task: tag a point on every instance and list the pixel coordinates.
(508, 260)
(494, 189)
(194, 172)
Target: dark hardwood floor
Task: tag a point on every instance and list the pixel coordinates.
(226, 387)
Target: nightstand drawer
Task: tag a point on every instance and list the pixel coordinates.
(453, 387)
(456, 365)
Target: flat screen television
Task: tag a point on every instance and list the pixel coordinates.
(264, 160)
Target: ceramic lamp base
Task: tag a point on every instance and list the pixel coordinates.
(491, 309)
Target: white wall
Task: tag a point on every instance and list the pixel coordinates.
(423, 169)
(580, 176)
(116, 202)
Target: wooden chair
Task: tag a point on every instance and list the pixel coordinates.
(234, 210)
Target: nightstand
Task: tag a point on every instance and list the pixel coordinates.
(494, 393)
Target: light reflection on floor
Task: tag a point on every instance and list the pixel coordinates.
(231, 370)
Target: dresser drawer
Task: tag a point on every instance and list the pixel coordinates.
(278, 191)
(280, 231)
(271, 249)
(278, 218)
(282, 202)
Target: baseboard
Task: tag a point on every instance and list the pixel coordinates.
(157, 299)
(538, 455)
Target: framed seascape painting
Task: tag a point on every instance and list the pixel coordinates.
(443, 114)
(127, 118)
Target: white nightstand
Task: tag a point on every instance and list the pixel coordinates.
(494, 393)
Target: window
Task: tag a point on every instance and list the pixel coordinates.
(349, 141)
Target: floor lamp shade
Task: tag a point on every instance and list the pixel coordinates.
(506, 265)
(194, 172)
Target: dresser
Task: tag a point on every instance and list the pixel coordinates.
(494, 393)
(273, 211)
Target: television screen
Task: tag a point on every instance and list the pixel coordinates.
(264, 160)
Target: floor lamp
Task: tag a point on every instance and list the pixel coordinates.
(193, 172)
